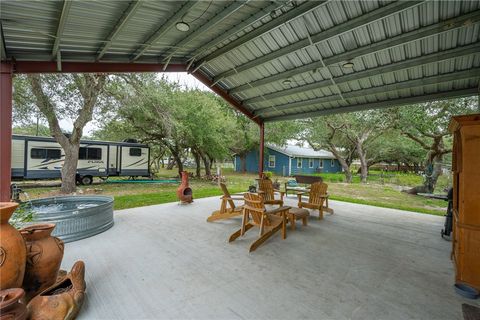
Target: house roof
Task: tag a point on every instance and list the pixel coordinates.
(296, 151)
(273, 60)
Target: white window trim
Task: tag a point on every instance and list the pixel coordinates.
(332, 163)
(311, 163)
(270, 157)
(320, 165)
(299, 161)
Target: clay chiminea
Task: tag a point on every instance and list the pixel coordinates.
(44, 256)
(63, 300)
(184, 192)
(11, 306)
(12, 250)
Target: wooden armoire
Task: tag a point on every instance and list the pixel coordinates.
(466, 199)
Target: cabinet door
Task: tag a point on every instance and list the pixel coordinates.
(469, 179)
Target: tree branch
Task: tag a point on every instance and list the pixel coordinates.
(417, 140)
(47, 108)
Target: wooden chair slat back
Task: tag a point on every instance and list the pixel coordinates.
(226, 194)
(317, 190)
(266, 185)
(254, 206)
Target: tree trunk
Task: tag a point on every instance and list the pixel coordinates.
(69, 168)
(362, 155)
(198, 164)
(178, 161)
(171, 163)
(433, 167)
(211, 162)
(206, 163)
(343, 162)
(431, 181)
(177, 156)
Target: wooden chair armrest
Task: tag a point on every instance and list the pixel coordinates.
(241, 194)
(281, 193)
(299, 196)
(232, 198)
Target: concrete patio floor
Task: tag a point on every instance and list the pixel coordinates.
(363, 262)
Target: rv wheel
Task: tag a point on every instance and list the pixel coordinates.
(86, 180)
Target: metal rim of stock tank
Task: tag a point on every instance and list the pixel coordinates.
(81, 216)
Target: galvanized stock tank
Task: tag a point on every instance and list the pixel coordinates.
(76, 217)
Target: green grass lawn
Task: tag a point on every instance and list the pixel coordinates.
(382, 191)
(147, 199)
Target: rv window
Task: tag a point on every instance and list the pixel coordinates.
(89, 153)
(54, 154)
(135, 152)
(37, 153)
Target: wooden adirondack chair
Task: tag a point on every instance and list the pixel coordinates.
(268, 192)
(317, 199)
(255, 214)
(226, 212)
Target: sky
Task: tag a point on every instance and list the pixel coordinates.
(184, 79)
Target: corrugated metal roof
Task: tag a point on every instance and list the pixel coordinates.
(302, 152)
(251, 49)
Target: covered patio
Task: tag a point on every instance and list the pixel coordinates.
(363, 262)
(271, 60)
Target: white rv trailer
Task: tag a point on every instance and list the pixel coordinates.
(42, 158)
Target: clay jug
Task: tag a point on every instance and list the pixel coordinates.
(63, 300)
(11, 308)
(44, 256)
(12, 250)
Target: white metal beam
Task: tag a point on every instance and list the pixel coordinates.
(423, 32)
(409, 84)
(162, 30)
(67, 4)
(224, 14)
(378, 105)
(122, 21)
(294, 13)
(237, 28)
(365, 74)
(335, 31)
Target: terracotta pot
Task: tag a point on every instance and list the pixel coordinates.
(63, 300)
(44, 256)
(11, 307)
(12, 250)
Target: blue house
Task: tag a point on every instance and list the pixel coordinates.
(288, 161)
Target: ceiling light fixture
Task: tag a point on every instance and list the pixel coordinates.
(348, 65)
(182, 26)
(287, 82)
